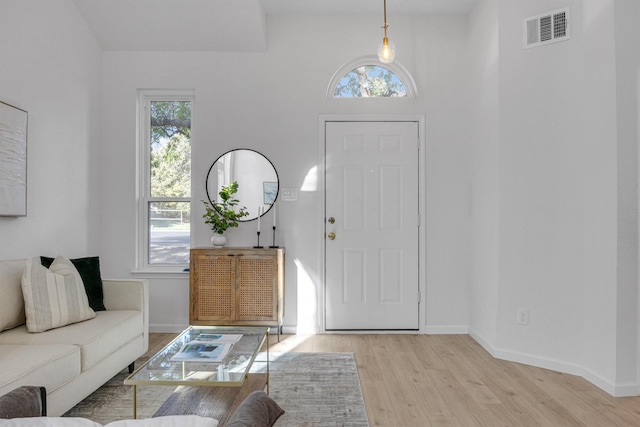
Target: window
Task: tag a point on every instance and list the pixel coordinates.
(367, 77)
(164, 170)
(369, 81)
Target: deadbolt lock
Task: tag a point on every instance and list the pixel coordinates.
(331, 220)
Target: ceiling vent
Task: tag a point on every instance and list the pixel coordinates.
(549, 27)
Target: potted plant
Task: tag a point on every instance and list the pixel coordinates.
(222, 215)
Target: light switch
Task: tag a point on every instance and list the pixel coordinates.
(289, 194)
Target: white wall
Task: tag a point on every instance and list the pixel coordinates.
(271, 102)
(542, 135)
(627, 39)
(484, 185)
(51, 67)
(566, 163)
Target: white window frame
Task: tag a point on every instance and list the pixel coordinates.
(143, 177)
(394, 67)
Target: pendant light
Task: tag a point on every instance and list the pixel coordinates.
(386, 49)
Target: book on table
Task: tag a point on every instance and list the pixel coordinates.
(230, 338)
(206, 348)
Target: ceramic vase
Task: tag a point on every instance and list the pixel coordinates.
(218, 240)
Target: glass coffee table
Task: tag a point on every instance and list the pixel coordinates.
(231, 371)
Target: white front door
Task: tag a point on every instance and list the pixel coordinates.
(372, 226)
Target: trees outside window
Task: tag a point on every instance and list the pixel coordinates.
(368, 81)
(366, 77)
(164, 204)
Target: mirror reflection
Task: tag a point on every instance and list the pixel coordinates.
(256, 177)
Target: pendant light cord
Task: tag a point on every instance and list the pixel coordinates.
(385, 26)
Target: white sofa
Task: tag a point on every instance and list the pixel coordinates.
(74, 360)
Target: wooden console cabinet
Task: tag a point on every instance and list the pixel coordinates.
(236, 286)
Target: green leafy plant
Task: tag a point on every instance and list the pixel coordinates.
(222, 215)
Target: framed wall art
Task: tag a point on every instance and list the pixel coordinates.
(13, 161)
(270, 192)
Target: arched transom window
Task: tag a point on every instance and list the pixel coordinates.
(369, 81)
(368, 78)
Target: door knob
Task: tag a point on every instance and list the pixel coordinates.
(331, 235)
(331, 220)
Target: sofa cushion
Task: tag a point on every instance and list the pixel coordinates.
(97, 338)
(89, 269)
(50, 366)
(53, 297)
(12, 302)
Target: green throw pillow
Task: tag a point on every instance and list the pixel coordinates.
(89, 269)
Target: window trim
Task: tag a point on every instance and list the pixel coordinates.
(143, 176)
(394, 67)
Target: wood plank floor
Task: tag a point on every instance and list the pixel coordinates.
(450, 380)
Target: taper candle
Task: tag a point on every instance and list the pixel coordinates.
(258, 218)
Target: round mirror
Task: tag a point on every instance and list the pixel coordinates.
(257, 180)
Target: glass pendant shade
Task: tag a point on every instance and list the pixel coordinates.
(386, 51)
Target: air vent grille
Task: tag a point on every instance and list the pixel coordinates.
(549, 27)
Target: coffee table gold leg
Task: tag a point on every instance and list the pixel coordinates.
(135, 401)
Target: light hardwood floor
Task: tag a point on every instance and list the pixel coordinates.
(450, 380)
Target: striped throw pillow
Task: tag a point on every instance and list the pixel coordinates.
(53, 297)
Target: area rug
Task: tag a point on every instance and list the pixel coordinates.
(315, 389)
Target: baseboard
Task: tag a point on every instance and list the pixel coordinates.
(616, 390)
(161, 328)
(527, 359)
(447, 330)
(293, 329)
(289, 330)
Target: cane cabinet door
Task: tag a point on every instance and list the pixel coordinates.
(236, 286)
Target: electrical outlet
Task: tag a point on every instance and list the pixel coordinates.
(523, 316)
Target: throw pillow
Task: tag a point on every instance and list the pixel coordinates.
(22, 402)
(53, 297)
(257, 410)
(89, 269)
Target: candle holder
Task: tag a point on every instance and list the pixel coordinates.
(274, 238)
(258, 245)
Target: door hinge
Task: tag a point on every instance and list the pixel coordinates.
(419, 297)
